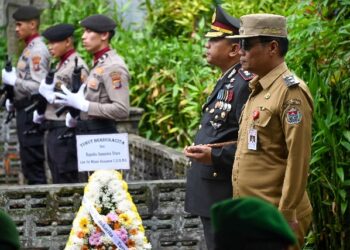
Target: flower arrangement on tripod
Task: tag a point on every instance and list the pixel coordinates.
(108, 218)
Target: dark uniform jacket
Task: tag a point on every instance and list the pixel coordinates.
(207, 184)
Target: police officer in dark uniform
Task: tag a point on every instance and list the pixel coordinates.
(106, 98)
(212, 155)
(32, 67)
(61, 152)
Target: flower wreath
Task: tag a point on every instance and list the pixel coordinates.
(107, 218)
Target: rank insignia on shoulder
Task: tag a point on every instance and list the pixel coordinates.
(232, 73)
(246, 75)
(291, 81)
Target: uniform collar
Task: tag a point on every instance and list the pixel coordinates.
(30, 38)
(234, 68)
(100, 53)
(65, 56)
(270, 77)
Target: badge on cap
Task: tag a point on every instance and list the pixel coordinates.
(36, 63)
(293, 115)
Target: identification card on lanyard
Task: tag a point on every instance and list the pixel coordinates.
(252, 139)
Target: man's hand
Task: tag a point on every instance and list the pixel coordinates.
(9, 106)
(9, 78)
(70, 121)
(75, 100)
(38, 119)
(200, 153)
(46, 90)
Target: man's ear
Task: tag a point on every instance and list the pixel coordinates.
(104, 36)
(274, 47)
(234, 49)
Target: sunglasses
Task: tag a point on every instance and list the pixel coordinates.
(248, 43)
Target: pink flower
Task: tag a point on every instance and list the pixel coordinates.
(95, 239)
(122, 234)
(112, 216)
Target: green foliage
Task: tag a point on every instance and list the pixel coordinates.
(170, 81)
(321, 57)
(3, 49)
(72, 12)
(176, 18)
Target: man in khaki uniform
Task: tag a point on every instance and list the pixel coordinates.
(32, 67)
(274, 147)
(61, 153)
(107, 94)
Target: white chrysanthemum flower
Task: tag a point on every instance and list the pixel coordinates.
(124, 206)
(108, 192)
(138, 238)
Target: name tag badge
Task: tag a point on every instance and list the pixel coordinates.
(252, 139)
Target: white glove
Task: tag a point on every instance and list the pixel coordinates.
(38, 119)
(46, 90)
(9, 78)
(75, 100)
(70, 121)
(9, 106)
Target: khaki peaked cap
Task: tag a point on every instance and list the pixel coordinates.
(254, 25)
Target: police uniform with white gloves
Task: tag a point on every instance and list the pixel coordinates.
(61, 152)
(104, 97)
(32, 67)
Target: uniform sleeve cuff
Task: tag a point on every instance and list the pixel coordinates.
(289, 214)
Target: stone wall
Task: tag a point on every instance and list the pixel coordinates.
(44, 214)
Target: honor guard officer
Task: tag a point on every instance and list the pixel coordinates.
(32, 67)
(273, 164)
(61, 153)
(209, 177)
(107, 93)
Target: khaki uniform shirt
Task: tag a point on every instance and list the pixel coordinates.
(63, 75)
(108, 89)
(277, 170)
(32, 67)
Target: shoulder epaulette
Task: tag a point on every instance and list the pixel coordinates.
(246, 75)
(291, 81)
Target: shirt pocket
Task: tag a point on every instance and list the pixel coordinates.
(93, 84)
(265, 115)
